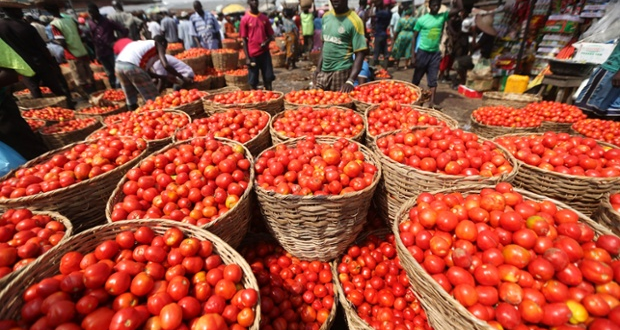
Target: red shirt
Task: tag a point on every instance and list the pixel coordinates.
(257, 29)
(120, 45)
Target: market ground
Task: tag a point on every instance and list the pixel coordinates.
(453, 104)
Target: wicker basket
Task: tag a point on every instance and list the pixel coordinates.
(607, 216)
(317, 227)
(278, 138)
(201, 85)
(230, 227)
(292, 106)
(28, 96)
(217, 82)
(401, 182)
(557, 127)
(86, 242)
(236, 80)
(225, 61)
(512, 100)
(361, 106)
(118, 110)
(231, 44)
(56, 101)
(436, 301)
(192, 109)
(278, 60)
(582, 193)
(491, 132)
(4, 281)
(59, 140)
(273, 107)
(82, 202)
(198, 64)
(96, 98)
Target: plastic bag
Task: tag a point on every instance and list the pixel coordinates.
(607, 28)
(9, 159)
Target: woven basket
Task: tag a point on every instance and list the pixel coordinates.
(512, 100)
(231, 44)
(230, 227)
(218, 82)
(292, 106)
(192, 109)
(120, 109)
(96, 99)
(607, 216)
(436, 301)
(198, 64)
(273, 107)
(317, 227)
(278, 138)
(491, 132)
(173, 52)
(28, 96)
(582, 193)
(557, 127)
(278, 60)
(225, 61)
(59, 140)
(82, 202)
(236, 80)
(4, 281)
(86, 242)
(401, 182)
(361, 106)
(56, 101)
(201, 85)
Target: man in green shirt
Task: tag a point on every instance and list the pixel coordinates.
(343, 36)
(601, 96)
(307, 29)
(428, 57)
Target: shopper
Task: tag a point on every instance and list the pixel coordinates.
(403, 36)
(343, 36)
(185, 31)
(169, 28)
(452, 31)
(166, 79)
(257, 33)
(205, 28)
(382, 19)
(130, 22)
(307, 30)
(601, 96)
(102, 31)
(291, 35)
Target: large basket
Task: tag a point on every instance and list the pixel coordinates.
(361, 106)
(231, 44)
(87, 241)
(607, 216)
(198, 64)
(118, 110)
(443, 311)
(401, 182)
(28, 96)
(317, 227)
(230, 227)
(225, 61)
(82, 202)
(582, 193)
(59, 140)
(512, 100)
(278, 138)
(236, 80)
(192, 109)
(272, 107)
(557, 127)
(4, 281)
(278, 60)
(491, 132)
(218, 82)
(56, 101)
(201, 85)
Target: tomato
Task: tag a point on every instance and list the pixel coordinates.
(100, 319)
(127, 319)
(171, 316)
(210, 322)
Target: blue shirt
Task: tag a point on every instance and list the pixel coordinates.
(365, 72)
(318, 24)
(207, 29)
(382, 21)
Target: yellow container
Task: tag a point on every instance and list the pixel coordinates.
(516, 84)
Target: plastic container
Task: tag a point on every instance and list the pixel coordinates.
(516, 84)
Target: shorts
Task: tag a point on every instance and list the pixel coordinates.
(332, 81)
(426, 63)
(264, 65)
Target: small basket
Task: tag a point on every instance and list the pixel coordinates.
(56, 101)
(607, 216)
(59, 140)
(512, 100)
(272, 106)
(436, 301)
(175, 51)
(87, 241)
(230, 227)
(96, 98)
(225, 61)
(278, 60)
(198, 64)
(361, 106)
(317, 227)
(236, 80)
(278, 138)
(118, 110)
(490, 132)
(582, 193)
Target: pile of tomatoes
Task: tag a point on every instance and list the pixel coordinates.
(68, 126)
(237, 72)
(374, 281)
(150, 125)
(215, 72)
(506, 117)
(442, 150)
(391, 115)
(35, 124)
(43, 89)
(599, 129)
(307, 121)
(24, 237)
(516, 263)
(49, 113)
(317, 97)
(199, 78)
(314, 168)
(82, 162)
(234, 124)
(294, 294)
(239, 97)
(382, 73)
(614, 199)
(224, 51)
(386, 91)
(555, 112)
(562, 153)
(115, 95)
(123, 116)
(192, 53)
(174, 46)
(95, 110)
(172, 100)
(141, 280)
(194, 182)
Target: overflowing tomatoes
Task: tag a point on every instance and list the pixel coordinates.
(172, 100)
(516, 263)
(294, 294)
(49, 113)
(442, 150)
(195, 182)
(306, 121)
(382, 73)
(115, 95)
(68, 126)
(43, 89)
(315, 168)
(562, 153)
(239, 125)
(35, 124)
(150, 125)
(95, 110)
(374, 281)
(317, 97)
(237, 72)
(391, 116)
(614, 200)
(555, 112)
(174, 46)
(386, 90)
(25, 236)
(239, 97)
(225, 51)
(506, 117)
(192, 53)
(599, 129)
(81, 162)
(199, 78)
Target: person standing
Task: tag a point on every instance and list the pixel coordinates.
(154, 27)
(307, 30)
(382, 19)
(292, 36)
(185, 31)
(257, 33)
(318, 28)
(129, 21)
(404, 36)
(169, 28)
(205, 28)
(396, 11)
(102, 30)
(343, 36)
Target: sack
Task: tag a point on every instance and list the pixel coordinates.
(9, 159)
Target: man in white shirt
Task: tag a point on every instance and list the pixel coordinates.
(165, 78)
(154, 27)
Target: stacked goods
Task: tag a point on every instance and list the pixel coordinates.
(167, 185)
(35, 124)
(603, 130)
(491, 121)
(51, 115)
(314, 194)
(317, 98)
(557, 117)
(174, 48)
(608, 212)
(268, 101)
(225, 59)
(571, 169)
(74, 181)
(435, 158)
(188, 101)
(503, 258)
(195, 58)
(153, 275)
(103, 111)
(245, 126)
(25, 93)
(376, 92)
(237, 77)
(307, 121)
(66, 132)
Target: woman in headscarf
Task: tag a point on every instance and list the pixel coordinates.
(404, 36)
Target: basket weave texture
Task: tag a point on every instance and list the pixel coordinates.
(557, 127)
(56, 101)
(607, 216)
(225, 61)
(272, 106)
(512, 100)
(192, 109)
(292, 106)
(198, 64)
(87, 241)
(236, 80)
(317, 227)
(278, 60)
(59, 140)
(438, 303)
(28, 96)
(118, 110)
(361, 106)
(491, 132)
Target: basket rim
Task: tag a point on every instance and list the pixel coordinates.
(209, 98)
(454, 124)
(323, 139)
(607, 204)
(95, 122)
(393, 81)
(286, 138)
(500, 96)
(97, 93)
(105, 126)
(50, 100)
(475, 121)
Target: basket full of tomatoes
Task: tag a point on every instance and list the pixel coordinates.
(492, 121)
(63, 133)
(53, 101)
(557, 117)
(496, 257)
(608, 212)
(24, 94)
(196, 58)
(375, 92)
(269, 101)
(51, 115)
(136, 275)
(225, 59)
(599, 129)
(317, 98)
(188, 101)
